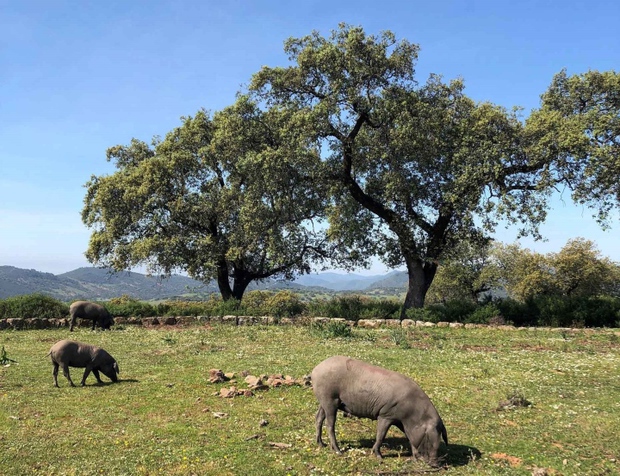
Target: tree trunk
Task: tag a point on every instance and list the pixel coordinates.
(421, 275)
(239, 286)
(223, 283)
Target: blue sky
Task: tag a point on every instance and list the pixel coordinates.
(77, 77)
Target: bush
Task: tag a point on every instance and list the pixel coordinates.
(182, 308)
(422, 314)
(254, 303)
(354, 308)
(381, 309)
(332, 329)
(519, 313)
(485, 314)
(561, 311)
(32, 306)
(283, 304)
(126, 306)
(457, 310)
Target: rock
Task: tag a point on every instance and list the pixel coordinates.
(280, 445)
(275, 380)
(228, 392)
(217, 376)
(255, 383)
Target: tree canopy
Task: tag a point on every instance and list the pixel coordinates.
(413, 167)
(577, 270)
(577, 131)
(230, 197)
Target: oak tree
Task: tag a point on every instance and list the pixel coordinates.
(231, 197)
(415, 169)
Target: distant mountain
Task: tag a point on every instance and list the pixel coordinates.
(16, 281)
(392, 280)
(337, 281)
(97, 283)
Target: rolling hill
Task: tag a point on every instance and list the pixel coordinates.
(100, 284)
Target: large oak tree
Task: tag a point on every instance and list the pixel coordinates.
(231, 197)
(413, 167)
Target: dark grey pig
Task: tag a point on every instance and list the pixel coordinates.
(90, 310)
(68, 353)
(363, 390)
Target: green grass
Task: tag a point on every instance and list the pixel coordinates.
(160, 418)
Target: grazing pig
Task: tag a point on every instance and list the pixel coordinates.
(77, 354)
(90, 310)
(363, 390)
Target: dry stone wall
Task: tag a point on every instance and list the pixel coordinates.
(36, 323)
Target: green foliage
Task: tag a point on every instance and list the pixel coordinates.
(426, 314)
(231, 197)
(557, 311)
(32, 306)
(400, 337)
(216, 306)
(283, 304)
(551, 310)
(523, 273)
(466, 272)
(182, 308)
(127, 306)
(579, 270)
(579, 125)
(347, 307)
(519, 313)
(354, 307)
(484, 314)
(332, 330)
(456, 310)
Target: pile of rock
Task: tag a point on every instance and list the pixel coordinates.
(254, 383)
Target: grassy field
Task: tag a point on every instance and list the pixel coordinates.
(164, 417)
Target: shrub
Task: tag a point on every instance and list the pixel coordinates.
(225, 308)
(562, 311)
(456, 310)
(422, 314)
(255, 302)
(283, 304)
(348, 307)
(32, 306)
(354, 307)
(182, 308)
(400, 337)
(332, 329)
(485, 315)
(127, 306)
(380, 309)
(519, 313)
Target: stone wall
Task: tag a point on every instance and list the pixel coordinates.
(35, 323)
